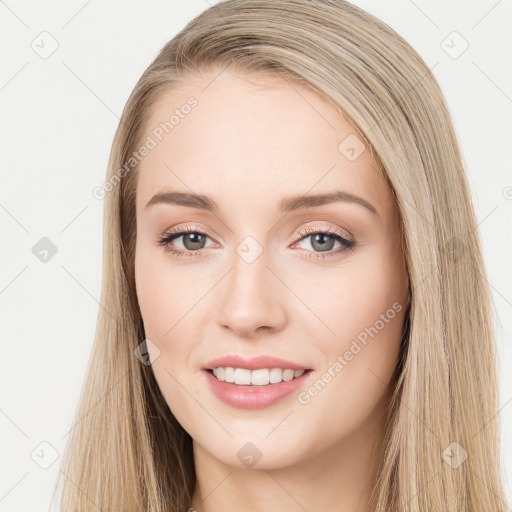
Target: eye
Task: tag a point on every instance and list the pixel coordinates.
(322, 241)
(192, 242)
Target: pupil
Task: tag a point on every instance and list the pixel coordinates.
(319, 238)
(193, 241)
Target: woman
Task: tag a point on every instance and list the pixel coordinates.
(296, 315)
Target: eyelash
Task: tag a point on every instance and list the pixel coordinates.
(348, 245)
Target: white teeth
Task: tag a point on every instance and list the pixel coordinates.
(242, 376)
(260, 377)
(276, 375)
(229, 374)
(288, 375)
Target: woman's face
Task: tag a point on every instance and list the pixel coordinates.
(292, 250)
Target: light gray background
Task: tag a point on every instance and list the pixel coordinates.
(58, 117)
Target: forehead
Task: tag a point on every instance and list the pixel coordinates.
(253, 137)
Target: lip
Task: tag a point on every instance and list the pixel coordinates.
(254, 363)
(253, 397)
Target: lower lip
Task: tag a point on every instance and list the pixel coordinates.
(254, 397)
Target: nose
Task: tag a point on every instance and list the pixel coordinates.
(253, 299)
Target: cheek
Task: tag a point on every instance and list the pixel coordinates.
(153, 297)
(363, 306)
(160, 293)
(163, 308)
(347, 393)
(169, 302)
(356, 297)
(157, 302)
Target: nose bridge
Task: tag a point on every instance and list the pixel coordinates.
(252, 296)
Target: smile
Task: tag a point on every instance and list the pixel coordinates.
(259, 377)
(241, 393)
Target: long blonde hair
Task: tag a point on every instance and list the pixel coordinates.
(126, 451)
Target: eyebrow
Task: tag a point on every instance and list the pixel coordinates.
(287, 205)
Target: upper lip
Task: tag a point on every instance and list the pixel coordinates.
(254, 363)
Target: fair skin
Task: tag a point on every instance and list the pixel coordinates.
(250, 143)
